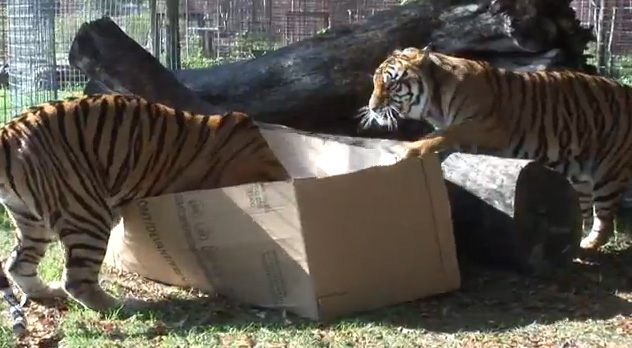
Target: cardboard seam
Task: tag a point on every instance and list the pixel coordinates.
(297, 183)
(434, 220)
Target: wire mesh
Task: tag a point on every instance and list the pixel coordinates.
(617, 11)
(31, 51)
(616, 26)
(35, 35)
(35, 41)
(217, 31)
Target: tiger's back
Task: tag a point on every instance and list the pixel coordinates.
(575, 123)
(68, 166)
(553, 116)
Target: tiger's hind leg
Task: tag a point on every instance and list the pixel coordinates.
(85, 249)
(33, 240)
(584, 189)
(607, 195)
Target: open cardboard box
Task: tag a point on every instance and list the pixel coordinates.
(354, 230)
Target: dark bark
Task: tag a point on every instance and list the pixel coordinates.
(319, 83)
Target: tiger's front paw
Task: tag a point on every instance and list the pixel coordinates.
(418, 149)
(412, 153)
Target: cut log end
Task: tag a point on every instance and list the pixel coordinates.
(513, 214)
(547, 211)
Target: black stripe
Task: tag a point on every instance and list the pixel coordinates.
(103, 111)
(83, 110)
(119, 109)
(220, 166)
(25, 250)
(222, 137)
(611, 197)
(131, 154)
(8, 166)
(37, 240)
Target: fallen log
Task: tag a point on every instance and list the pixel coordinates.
(514, 213)
(535, 222)
(317, 84)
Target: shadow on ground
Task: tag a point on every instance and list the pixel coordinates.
(489, 300)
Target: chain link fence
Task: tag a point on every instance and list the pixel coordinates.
(35, 36)
(35, 39)
(612, 25)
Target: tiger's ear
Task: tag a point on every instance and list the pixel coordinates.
(422, 57)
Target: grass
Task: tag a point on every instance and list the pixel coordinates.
(587, 305)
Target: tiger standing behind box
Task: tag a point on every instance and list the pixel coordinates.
(68, 165)
(577, 124)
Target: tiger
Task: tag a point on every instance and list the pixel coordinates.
(577, 124)
(68, 166)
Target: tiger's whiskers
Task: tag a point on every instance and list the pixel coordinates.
(387, 116)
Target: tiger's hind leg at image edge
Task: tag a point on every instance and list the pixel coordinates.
(32, 241)
(15, 309)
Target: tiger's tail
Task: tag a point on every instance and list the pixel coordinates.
(15, 309)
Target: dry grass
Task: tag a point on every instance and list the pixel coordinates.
(586, 305)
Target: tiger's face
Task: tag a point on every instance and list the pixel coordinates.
(400, 90)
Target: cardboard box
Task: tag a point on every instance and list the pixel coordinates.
(354, 230)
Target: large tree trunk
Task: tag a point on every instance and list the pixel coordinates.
(318, 84)
(521, 232)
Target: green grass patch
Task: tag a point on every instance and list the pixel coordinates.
(586, 305)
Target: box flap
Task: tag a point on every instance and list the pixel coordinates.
(317, 155)
(386, 235)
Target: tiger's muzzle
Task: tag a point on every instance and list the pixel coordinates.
(377, 101)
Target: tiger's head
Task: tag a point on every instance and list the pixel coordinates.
(403, 87)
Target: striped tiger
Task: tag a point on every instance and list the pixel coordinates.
(67, 166)
(577, 124)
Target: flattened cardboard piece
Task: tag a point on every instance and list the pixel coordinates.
(355, 230)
